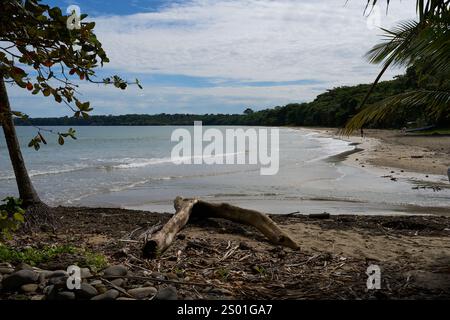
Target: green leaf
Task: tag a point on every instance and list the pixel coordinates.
(18, 217)
(46, 92)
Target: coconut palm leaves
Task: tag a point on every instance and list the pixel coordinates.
(424, 44)
(425, 8)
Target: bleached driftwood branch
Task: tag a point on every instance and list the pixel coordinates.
(185, 208)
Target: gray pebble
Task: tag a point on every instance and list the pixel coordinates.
(167, 293)
(141, 293)
(86, 291)
(29, 288)
(65, 295)
(6, 270)
(115, 271)
(118, 282)
(108, 295)
(19, 278)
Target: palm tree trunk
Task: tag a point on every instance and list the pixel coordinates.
(27, 192)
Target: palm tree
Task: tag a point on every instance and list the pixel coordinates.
(423, 44)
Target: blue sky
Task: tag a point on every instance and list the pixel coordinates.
(210, 56)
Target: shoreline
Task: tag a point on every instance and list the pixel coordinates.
(219, 259)
(423, 159)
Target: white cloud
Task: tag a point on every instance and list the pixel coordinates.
(109, 100)
(258, 40)
(245, 40)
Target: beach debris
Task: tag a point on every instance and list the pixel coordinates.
(435, 188)
(185, 208)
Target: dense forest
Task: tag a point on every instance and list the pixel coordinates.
(332, 109)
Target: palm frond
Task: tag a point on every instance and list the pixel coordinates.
(424, 8)
(435, 102)
(414, 43)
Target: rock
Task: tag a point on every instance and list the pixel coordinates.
(6, 270)
(65, 295)
(101, 288)
(19, 278)
(108, 295)
(42, 278)
(115, 271)
(6, 265)
(56, 274)
(95, 282)
(171, 276)
(86, 291)
(51, 293)
(54, 265)
(58, 281)
(125, 298)
(48, 290)
(167, 293)
(29, 288)
(23, 266)
(86, 273)
(38, 297)
(141, 293)
(118, 282)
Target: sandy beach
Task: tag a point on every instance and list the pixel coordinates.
(220, 259)
(390, 152)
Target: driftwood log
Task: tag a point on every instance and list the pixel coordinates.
(185, 208)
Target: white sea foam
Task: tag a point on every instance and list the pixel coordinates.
(49, 171)
(329, 146)
(139, 162)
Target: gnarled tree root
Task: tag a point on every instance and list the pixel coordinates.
(39, 217)
(185, 208)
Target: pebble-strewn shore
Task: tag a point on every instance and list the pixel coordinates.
(218, 259)
(26, 282)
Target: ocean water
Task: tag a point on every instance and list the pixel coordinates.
(130, 167)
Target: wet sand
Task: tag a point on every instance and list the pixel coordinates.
(425, 158)
(393, 149)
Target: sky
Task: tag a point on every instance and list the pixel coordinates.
(223, 56)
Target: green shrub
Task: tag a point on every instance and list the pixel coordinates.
(11, 216)
(95, 261)
(33, 256)
(36, 256)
